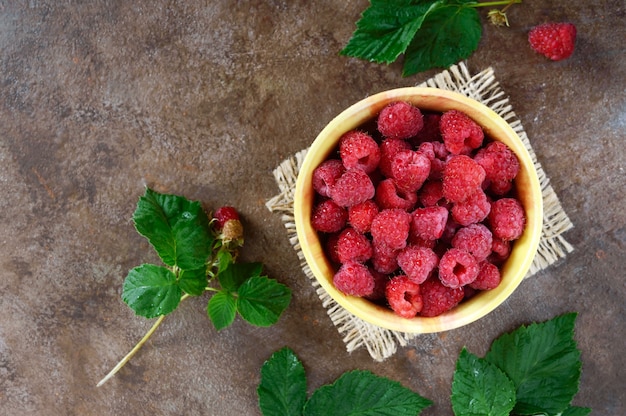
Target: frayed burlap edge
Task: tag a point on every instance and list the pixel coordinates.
(382, 343)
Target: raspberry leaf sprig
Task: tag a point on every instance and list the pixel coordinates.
(430, 33)
(199, 256)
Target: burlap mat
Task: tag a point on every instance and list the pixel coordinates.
(382, 343)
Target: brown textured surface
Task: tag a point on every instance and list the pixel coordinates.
(205, 99)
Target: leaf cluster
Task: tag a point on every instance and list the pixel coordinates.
(534, 370)
(282, 392)
(430, 33)
(194, 262)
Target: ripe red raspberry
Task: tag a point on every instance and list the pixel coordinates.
(488, 277)
(410, 169)
(417, 262)
(328, 217)
(499, 162)
(437, 298)
(427, 149)
(224, 214)
(507, 219)
(400, 120)
(391, 228)
(360, 216)
(403, 296)
(384, 259)
(326, 174)
(555, 41)
(388, 149)
(475, 239)
(462, 176)
(351, 188)
(358, 149)
(431, 193)
(353, 246)
(429, 223)
(500, 250)
(474, 209)
(457, 268)
(388, 195)
(354, 279)
(460, 133)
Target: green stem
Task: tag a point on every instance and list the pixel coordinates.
(494, 3)
(135, 348)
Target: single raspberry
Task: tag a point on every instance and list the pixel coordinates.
(400, 120)
(507, 219)
(431, 193)
(475, 239)
(457, 268)
(500, 250)
(388, 195)
(499, 187)
(472, 210)
(224, 214)
(410, 169)
(462, 176)
(354, 279)
(358, 149)
(403, 296)
(328, 217)
(391, 228)
(380, 284)
(440, 150)
(384, 259)
(326, 174)
(437, 298)
(488, 277)
(351, 188)
(460, 133)
(360, 216)
(417, 262)
(229, 225)
(388, 150)
(353, 246)
(555, 41)
(430, 222)
(499, 162)
(427, 149)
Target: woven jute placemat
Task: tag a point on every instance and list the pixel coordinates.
(382, 343)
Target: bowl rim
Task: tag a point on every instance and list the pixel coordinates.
(436, 99)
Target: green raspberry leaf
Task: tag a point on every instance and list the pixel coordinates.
(386, 28)
(177, 228)
(543, 362)
(361, 393)
(151, 290)
(234, 274)
(282, 391)
(449, 34)
(221, 309)
(262, 300)
(480, 388)
(193, 282)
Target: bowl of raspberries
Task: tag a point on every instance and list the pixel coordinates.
(418, 209)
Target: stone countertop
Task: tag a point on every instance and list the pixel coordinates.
(204, 99)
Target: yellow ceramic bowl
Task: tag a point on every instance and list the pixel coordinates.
(528, 188)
